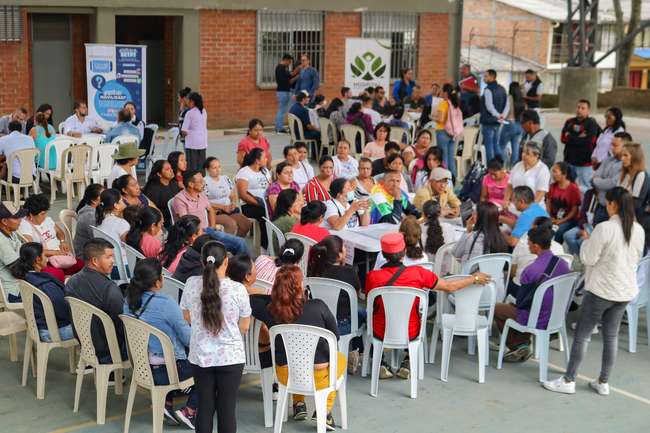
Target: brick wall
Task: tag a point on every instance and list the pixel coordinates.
(80, 34)
(494, 22)
(15, 75)
(433, 37)
(338, 27)
(170, 82)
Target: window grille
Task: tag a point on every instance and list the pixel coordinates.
(11, 24)
(287, 32)
(401, 29)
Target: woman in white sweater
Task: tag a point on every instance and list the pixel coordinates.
(611, 255)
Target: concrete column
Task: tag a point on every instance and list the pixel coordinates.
(578, 83)
(455, 36)
(190, 51)
(644, 79)
(103, 26)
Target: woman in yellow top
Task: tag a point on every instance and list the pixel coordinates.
(446, 142)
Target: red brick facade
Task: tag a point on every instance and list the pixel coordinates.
(15, 72)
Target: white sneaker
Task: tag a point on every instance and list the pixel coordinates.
(600, 388)
(560, 385)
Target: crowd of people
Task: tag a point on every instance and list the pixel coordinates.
(191, 221)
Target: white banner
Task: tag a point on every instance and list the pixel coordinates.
(116, 74)
(367, 63)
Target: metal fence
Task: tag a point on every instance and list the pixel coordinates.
(11, 24)
(401, 29)
(281, 32)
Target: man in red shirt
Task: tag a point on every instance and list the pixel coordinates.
(394, 273)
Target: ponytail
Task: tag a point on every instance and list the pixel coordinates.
(90, 194)
(324, 253)
(146, 217)
(28, 254)
(108, 199)
(213, 255)
(145, 275)
(435, 238)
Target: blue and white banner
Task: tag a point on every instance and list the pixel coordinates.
(116, 74)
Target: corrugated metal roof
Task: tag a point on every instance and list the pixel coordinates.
(556, 10)
(482, 59)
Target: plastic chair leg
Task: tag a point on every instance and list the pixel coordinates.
(564, 338)
(42, 355)
(471, 345)
(647, 321)
(281, 408)
(101, 387)
(52, 189)
(342, 394)
(543, 343)
(72, 358)
(502, 346)
(632, 327)
(27, 358)
(434, 343)
(421, 354)
(414, 361)
(267, 396)
(16, 195)
(377, 349)
(447, 339)
(366, 356)
(79, 382)
(320, 401)
(158, 405)
(129, 405)
(13, 348)
(482, 342)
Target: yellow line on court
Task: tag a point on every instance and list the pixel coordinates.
(144, 410)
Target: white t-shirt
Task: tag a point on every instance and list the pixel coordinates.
(226, 347)
(335, 208)
(44, 233)
(348, 169)
(522, 257)
(538, 178)
(116, 227)
(218, 191)
(73, 124)
(118, 171)
(302, 173)
(375, 117)
(258, 181)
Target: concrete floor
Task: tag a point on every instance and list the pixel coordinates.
(511, 400)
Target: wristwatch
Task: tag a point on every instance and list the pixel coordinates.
(475, 279)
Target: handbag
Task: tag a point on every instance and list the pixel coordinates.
(63, 261)
(526, 292)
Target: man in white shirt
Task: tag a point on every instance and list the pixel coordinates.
(18, 116)
(80, 122)
(11, 143)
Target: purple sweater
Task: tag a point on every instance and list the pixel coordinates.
(531, 274)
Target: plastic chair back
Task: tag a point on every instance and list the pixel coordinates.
(171, 140)
(172, 287)
(138, 333)
(117, 252)
(102, 160)
(132, 255)
(264, 285)
(251, 347)
(444, 253)
(122, 139)
(27, 158)
(643, 281)
(68, 219)
(562, 288)
(5, 300)
(494, 265)
(300, 343)
(398, 303)
(295, 128)
(470, 134)
(329, 290)
(60, 127)
(398, 134)
(60, 144)
(272, 228)
(27, 293)
(171, 211)
(467, 302)
(82, 317)
(307, 244)
(356, 137)
(74, 163)
(568, 258)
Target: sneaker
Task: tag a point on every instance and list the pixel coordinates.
(600, 388)
(494, 346)
(353, 362)
(404, 372)
(560, 385)
(282, 131)
(168, 412)
(329, 422)
(520, 354)
(299, 411)
(385, 371)
(275, 392)
(185, 418)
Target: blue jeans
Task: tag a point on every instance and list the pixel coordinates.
(511, 133)
(563, 228)
(583, 177)
(65, 332)
(233, 244)
(160, 377)
(284, 99)
(447, 145)
(573, 240)
(490, 135)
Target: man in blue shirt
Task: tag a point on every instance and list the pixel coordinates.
(524, 200)
(308, 78)
(300, 111)
(11, 143)
(123, 127)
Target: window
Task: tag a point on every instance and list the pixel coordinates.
(401, 29)
(11, 24)
(282, 32)
(607, 37)
(642, 40)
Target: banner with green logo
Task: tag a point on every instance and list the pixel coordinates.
(367, 63)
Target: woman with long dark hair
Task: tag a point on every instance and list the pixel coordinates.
(183, 106)
(290, 254)
(86, 217)
(613, 124)
(132, 194)
(252, 181)
(483, 235)
(42, 132)
(563, 199)
(145, 302)
(611, 254)
(47, 110)
(162, 187)
(181, 235)
(178, 161)
(144, 235)
(318, 186)
(422, 171)
(511, 130)
(448, 114)
(254, 138)
(219, 311)
(195, 132)
(284, 180)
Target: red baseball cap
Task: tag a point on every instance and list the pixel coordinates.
(392, 243)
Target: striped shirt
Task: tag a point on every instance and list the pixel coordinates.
(266, 269)
(314, 190)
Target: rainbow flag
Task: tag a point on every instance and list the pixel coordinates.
(381, 203)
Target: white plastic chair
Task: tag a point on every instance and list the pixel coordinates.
(60, 144)
(399, 135)
(329, 290)
(171, 210)
(444, 256)
(27, 160)
(137, 337)
(641, 301)
(398, 303)
(101, 162)
(68, 219)
(155, 152)
(300, 343)
(297, 132)
(123, 139)
(354, 134)
(328, 135)
(71, 170)
(273, 229)
(12, 322)
(132, 255)
(563, 287)
(253, 365)
(464, 162)
(171, 141)
(265, 285)
(82, 317)
(568, 258)
(307, 244)
(466, 321)
(117, 253)
(32, 338)
(172, 287)
(60, 127)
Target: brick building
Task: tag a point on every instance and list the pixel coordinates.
(227, 54)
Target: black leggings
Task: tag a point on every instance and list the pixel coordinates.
(217, 388)
(257, 212)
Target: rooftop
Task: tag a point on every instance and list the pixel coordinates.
(491, 58)
(556, 10)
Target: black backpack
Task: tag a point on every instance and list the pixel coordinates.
(472, 183)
